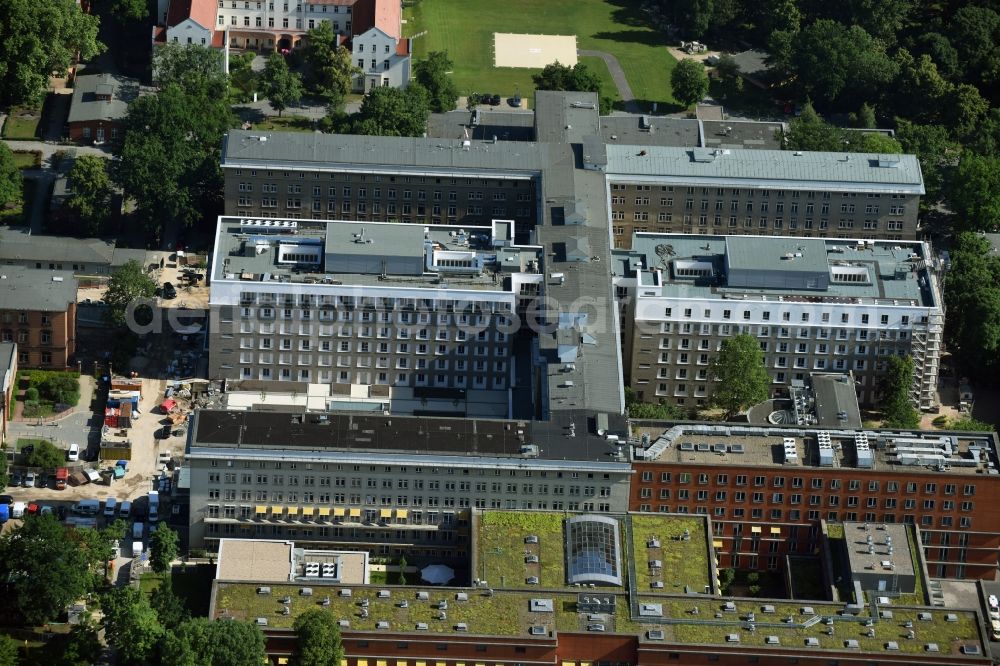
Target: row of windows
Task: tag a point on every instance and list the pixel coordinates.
(749, 207)
(378, 178)
(248, 512)
(494, 487)
(738, 513)
(253, 467)
(736, 192)
(362, 208)
(815, 483)
(362, 192)
(786, 316)
(441, 380)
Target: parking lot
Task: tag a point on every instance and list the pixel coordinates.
(84, 428)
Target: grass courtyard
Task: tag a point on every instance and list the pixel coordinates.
(465, 30)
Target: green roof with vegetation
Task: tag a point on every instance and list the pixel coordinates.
(683, 551)
(501, 549)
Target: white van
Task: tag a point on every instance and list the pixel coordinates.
(124, 509)
(110, 507)
(17, 510)
(73, 453)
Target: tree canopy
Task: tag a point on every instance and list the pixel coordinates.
(318, 641)
(645, 410)
(169, 161)
(131, 625)
(169, 607)
(894, 389)
(37, 38)
(739, 371)
(127, 284)
(281, 86)
(202, 642)
(197, 70)
(330, 71)
(689, 82)
(972, 298)
(390, 112)
(973, 192)
(162, 549)
(579, 78)
(433, 73)
(10, 176)
(92, 190)
(46, 456)
(8, 651)
(44, 570)
(129, 10)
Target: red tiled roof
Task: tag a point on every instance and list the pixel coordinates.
(403, 47)
(386, 15)
(218, 39)
(201, 11)
(159, 34)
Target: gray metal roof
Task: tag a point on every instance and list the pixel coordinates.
(326, 152)
(22, 246)
(85, 105)
(749, 134)
(835, 394)
(566, 117)
(764, 252)
(776, 168)
(627, 130)
(34, 289)
(504, 125)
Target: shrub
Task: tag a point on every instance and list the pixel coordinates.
(31, 395)
(754, 590)
(62, 389)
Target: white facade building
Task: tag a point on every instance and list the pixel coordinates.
(383, 59)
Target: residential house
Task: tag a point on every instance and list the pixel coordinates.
(384, 60)
(99, 106)
(38, 312)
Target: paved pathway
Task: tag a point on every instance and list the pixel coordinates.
(50, 148)
(618, 76)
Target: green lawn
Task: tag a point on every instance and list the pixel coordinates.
(465, 29)
(21, 124)
(807, 578)
(286, 124)
(27, 159)
(25, 441)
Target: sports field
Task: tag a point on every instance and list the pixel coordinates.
(465, 29)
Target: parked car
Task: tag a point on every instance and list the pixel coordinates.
(494, 100)
(169, 292)
(29, 480)
(6, 499)
(994, 602)
(73, 453)
(15, 480)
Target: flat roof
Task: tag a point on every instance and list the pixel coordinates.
(779, 169)
(897, 273)
(462, 439)
(904, 452)
(36, 289)
(375, 254)
(254, 560)
(748, 134)
(836, 400)
(889, 544)
(17, 245)
(504, 125)
(632, 130)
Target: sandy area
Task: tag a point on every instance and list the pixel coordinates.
(678, 54)
(537, 51)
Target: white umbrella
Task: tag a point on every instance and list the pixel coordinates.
(437, 574)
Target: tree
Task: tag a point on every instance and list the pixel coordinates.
(127, 284)
(243, 80)
(4, 476)
(92, 189)
(281, 86)
(8, 651)
(579, 78)
(972, 298)
(894, 392)
(866, 117)
(330, 71)
(740, 376)
(727, 71)
(82, 646)
(969, 424)
(169, 161)
(392, 112)
(318, 641)
(201, 642)
(834, 62)
(967, 108)
(933, 147)
(44, 570)
(873, 142)
(46, 456)
(433, 73)
(692, 16)
(131, 625)
(63, 389)
(37, 38)
(162, 549)
(689, 82)
(402, 570)
(975, 32)
(168, 606)
(197, 70)
(941, 51)
(129, 11)
(973, 192)
(10, 176)
(648, 411)
(810, 132)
